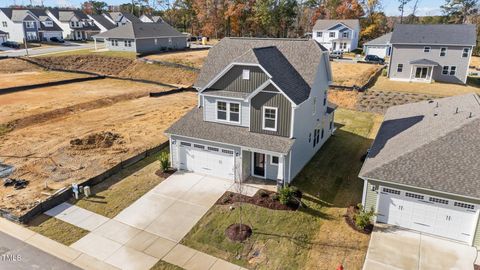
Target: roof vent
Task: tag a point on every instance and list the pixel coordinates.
(436, 106)
(471, 115)
(430, 101)
(456, 111)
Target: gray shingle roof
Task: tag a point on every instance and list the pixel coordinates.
(19, 14)
(141, 30)
(424, 61)
(103, 21)
(429, 146)
(193, 126)
(131, 17)
(304, 56)
(382, 40)
(326, 24)
(429, 34)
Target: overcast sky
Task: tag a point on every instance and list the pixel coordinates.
(426, 7)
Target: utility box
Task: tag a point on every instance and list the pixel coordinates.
(86, 191)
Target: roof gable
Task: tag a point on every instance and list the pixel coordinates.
(429, 34)
(327, 24)
(141, 30)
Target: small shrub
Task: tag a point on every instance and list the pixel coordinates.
(275, 197)
(164, 161)
(263, 193)
(363, 218)
(384, 73)
(285, 195)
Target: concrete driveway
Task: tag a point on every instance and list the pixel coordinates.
(394, 248)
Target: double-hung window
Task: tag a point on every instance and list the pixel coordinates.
(453, 70)
(445, 70)
(332, 34)
(345, 35)
(399, 67)
(274, 160)
(443, 51)
(319, 34)
(426, 49)
(466, 52)
(270, 118)
(4, 24)
(228, 111)
(325, 98)
(314, 105)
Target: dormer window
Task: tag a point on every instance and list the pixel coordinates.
(345, 34)
(443, 51)
(426, 49)
(246, 74)
(228, 111)
(270, 118)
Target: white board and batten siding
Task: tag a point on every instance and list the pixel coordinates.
(434, 215)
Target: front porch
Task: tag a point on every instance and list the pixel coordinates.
(264, 170)
(422, 70)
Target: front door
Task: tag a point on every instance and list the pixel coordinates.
(334, 46)
(422, 73)
(259, 164)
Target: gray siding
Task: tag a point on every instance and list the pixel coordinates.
(210, 111)
(403, 54)
(271, 169)
(284, 113)
(121, 45)
(232, 80)
(246, 164)
(149, 45)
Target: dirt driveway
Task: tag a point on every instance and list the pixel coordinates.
(392, 248)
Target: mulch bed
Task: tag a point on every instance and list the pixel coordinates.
(476, 267)
(349, 218)
(262, 198)
(238, 232)
(166, 173)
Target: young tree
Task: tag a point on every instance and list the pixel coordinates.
(401, 8)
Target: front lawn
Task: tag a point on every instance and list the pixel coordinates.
(122, 189)
(56, 229)
(314, 237)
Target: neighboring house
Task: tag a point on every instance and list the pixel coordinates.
(426, 53)
(337, 35)
(262, 110)
(380, 46)
(422, 171)
(149, 18)
(102, 23)
(76, 25)
(122, 18)
(3, 36)
(31, 24)
(143, 38)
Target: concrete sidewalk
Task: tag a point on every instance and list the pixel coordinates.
(52, 247)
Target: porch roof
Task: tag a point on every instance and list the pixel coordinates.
(225, 93)
(424, 62)
(192, 125)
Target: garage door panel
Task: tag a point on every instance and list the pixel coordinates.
(420, 213)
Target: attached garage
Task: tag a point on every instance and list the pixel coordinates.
(206, 159)
(380, 51)
(433, 215)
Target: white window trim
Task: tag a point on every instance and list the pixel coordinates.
(330, 35)
(398, 68)
(425, 48)
(271, 160)
(447, 69)
(446, 50)
(314, 105)
(468, 52)
(228, 111)
(246, 74)
(450, 70)
(345, 35)
(319, 34)
(263, 118)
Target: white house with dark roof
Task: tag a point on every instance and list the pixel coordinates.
(143, 38)
(337, 35)
(75, 24)
(150, 18)
(32, 24)
(262, 111)
(3, 36)
(380, 46)
(436, 52)
(121, 18)
(102, 22)
(422, 171)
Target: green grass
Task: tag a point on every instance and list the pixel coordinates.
(473, 81)
(122, 189)
(285, 239)
(162, 265)
(56, 229)
(129, 55)
(4, 129)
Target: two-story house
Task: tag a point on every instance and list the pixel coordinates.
(121, 18)
(262, 110)
(102, 23)
(76, 25)
(30, 24)
(426, 53)
(337, 35)
(150, 18)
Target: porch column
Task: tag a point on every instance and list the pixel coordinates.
(281, 165)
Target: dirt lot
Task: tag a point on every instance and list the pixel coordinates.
(437, 88)
(81, 145)
(350, 74)
(12, 65)
(475, 61)
(121, 67)
(35, 77)
(188, 58)
(39, 101)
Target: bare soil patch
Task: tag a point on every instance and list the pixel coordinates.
(262, 198)
(35, 77)
(350, 74)
(238, 232)
(13, 65)
(379, 101)
(104, 139)
(475, 61)
(160, 73)
(37, 105)
(344, 99)
(42, 153)
(189, 58)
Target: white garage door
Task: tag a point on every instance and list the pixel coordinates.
(207, 159)
(439, 216)
(379, 51)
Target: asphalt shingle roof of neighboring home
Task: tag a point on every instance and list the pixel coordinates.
(65, 15)
(431, 144)
(18, 15)
(430, 34)
(382, 40)
(424, 61)
(301, 55)
(131, 17)
(327, 24)
(193, 126)
(103, 21)
(141, 30)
